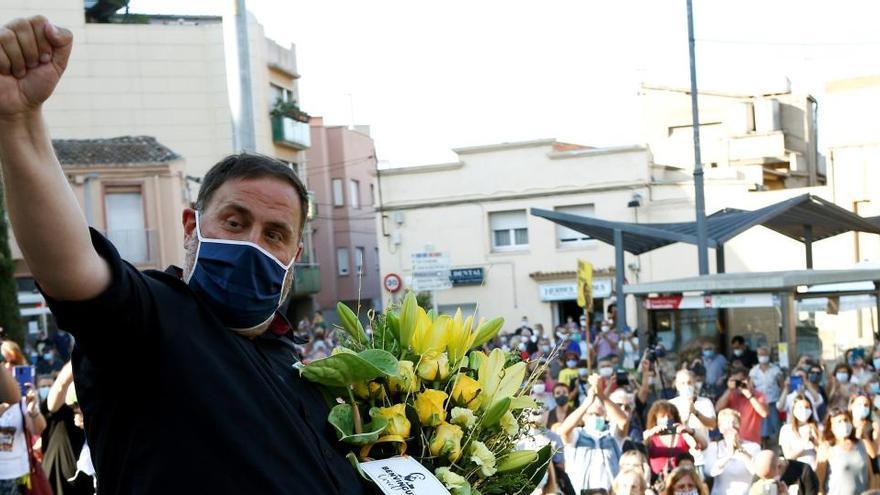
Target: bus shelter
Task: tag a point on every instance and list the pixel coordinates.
(816, 312)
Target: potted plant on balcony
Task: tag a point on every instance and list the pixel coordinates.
(289, 109)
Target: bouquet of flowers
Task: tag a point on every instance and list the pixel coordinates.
(417, 386)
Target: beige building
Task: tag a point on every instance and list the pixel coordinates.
(767, 137)
(166, 77)
(131, 189)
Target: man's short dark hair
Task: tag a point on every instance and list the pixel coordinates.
(250, 166)
(738, 340)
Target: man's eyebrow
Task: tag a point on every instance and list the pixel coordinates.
(238, 208)
(286, 227)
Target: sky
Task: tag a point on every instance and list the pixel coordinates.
(432, 76)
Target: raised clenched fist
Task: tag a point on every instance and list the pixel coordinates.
(33, 55)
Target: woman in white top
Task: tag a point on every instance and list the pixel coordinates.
(729, 460)
(800, 438)
(14, 464)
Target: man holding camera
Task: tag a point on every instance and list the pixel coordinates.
(751, 404)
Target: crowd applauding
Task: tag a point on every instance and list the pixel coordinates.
(699, 421)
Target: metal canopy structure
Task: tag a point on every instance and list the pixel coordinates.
(806, 218)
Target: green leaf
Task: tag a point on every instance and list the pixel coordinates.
(392, 325)
(351, 323)
(495, 411)
(342, 419)
(345, 368)
(535, 471)
(487, 331)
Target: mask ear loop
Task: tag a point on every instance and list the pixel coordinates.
(198, 248)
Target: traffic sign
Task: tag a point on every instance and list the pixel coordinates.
(392, 282)
(431, 271)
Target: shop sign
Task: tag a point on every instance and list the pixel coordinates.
(566, 291)
(717, 301)
(466, 276)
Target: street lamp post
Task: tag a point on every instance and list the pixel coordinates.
(700, 200)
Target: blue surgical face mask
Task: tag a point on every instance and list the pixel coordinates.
(876, 364)
(597, 422)
(44, 392)
(708, 353)
(240, 282)
(875, 388)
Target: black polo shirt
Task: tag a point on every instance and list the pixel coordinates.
(176, 403)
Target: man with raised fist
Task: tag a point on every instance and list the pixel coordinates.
(185, 377)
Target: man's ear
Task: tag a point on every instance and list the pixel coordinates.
(189, 223)
(299, 251)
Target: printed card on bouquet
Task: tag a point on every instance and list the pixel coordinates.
(403, 475)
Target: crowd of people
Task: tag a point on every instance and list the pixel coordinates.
(698, 421)
(46, 426)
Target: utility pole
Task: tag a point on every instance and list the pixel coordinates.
(238, 76)
(700, 200)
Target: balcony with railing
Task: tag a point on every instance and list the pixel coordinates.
(286, 130)
(307, 279)
(140, 247)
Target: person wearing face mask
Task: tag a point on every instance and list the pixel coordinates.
(570, 373)
(768, 379)
(808, 389)
(739, 351)
(861, 375)
(840, 388)
(667, 437)
(800, 438)
(685, 481)
(592, 453)
(629, 349)
(607, 341)
(843, 465)
(729, 460)
(866, 430)
(697, 413)
(715, 364)
(210, 331)
(561, 409)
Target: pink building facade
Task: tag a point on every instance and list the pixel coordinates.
(341, 175)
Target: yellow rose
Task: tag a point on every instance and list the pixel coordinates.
(447, 442)
(466, 392)
(397, 422)
(406, 381)
(429, 406)
(433, 368)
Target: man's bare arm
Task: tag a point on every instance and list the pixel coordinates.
(47, 221)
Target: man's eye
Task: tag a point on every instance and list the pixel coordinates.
(275, 236)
